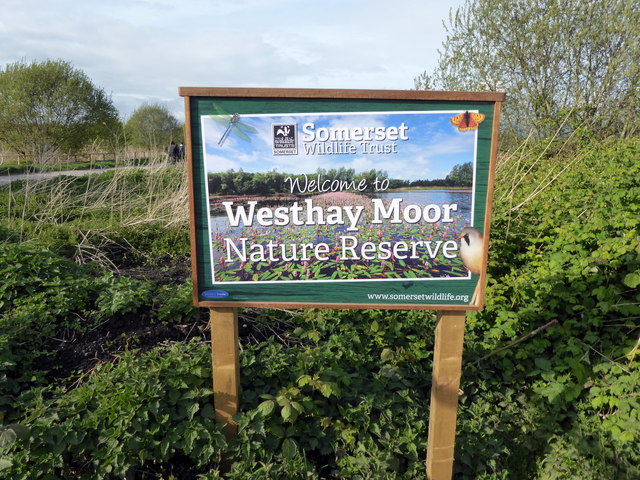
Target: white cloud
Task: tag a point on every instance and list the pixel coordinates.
(143, 50)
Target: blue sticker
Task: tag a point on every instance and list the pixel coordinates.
(215, 294)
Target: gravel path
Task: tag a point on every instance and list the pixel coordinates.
(7, 179)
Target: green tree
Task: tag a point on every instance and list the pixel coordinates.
(152, 126)
(51, 107)
(370, 176)
(227, 185)
(557, 60)
(460, 175)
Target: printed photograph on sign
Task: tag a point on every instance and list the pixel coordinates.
(341, 196)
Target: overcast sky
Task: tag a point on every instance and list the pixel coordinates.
(143, 50)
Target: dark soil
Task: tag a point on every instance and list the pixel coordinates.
(77, 354)
(180, 467)
(164, 271)
(115, 335)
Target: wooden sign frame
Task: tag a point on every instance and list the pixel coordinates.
(449, 337)
(447, 293)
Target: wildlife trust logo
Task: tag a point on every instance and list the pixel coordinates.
(285, 138)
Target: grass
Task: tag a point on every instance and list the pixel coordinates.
(92, 209)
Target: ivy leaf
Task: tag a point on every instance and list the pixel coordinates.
(7, 437)
(289, 448)
(304, 380)
(297, 406)
(289, 413)
(326, 389)
(192, 409)
(164, 446)
(266, 408)
(543, 364)
(386, 354)
(632, 280)
(207, 411)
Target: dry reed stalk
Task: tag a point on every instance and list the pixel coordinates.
(57, 203)
(157, 196)
(513, 172)
(86, 250)
(518, 180)
(542, 186)
(164, 202)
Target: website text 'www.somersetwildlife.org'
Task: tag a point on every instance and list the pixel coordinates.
(428, 297)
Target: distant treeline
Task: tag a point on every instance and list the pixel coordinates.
(239, 182)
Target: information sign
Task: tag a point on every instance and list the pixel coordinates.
(340, 198)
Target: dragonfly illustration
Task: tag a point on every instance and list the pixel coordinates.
(233, 124)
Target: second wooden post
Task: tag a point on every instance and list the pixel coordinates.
(447, 366)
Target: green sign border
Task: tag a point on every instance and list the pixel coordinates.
(343, 293)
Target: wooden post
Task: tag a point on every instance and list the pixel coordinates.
(226, 369)
(447, 365)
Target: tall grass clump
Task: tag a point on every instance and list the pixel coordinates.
(101, 216)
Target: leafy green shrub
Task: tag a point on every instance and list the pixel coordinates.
(153, 241)
(584, 453)
(123, 295)
(343, 397)
(46, 299)
(41, 294)
(26, 269)
(569, 252)
(138, 412)
(175, 303)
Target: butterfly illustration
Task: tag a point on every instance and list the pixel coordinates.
(233, 124)
(467, 121)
